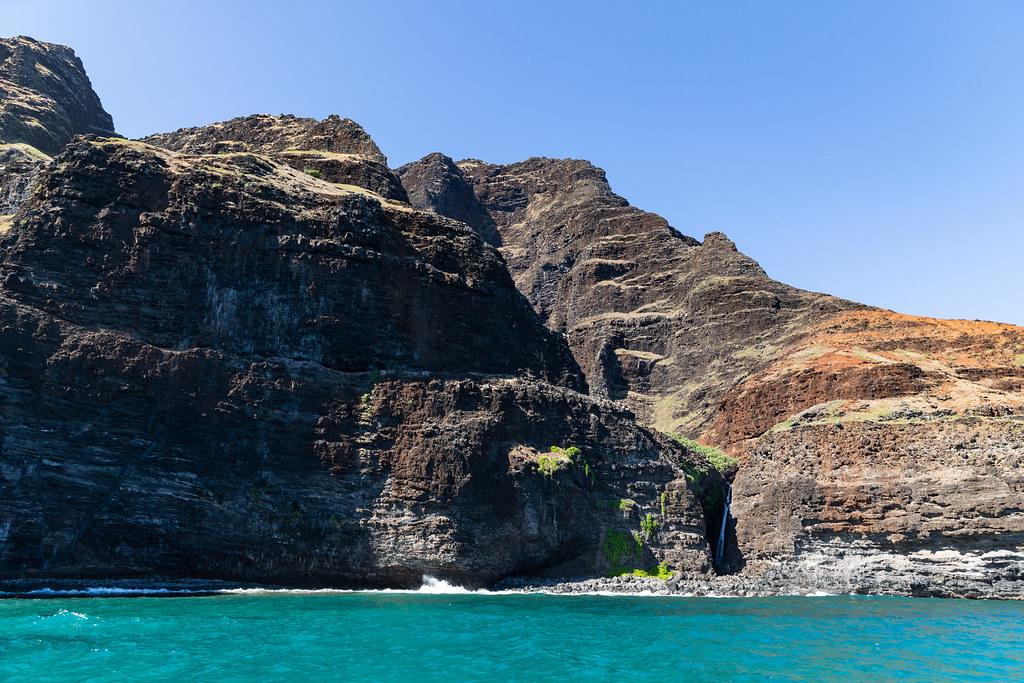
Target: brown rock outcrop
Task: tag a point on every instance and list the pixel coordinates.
(874, 365)
(869, 507)
(883, 454)
(698, 339)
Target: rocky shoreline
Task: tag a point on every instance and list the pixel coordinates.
(747, 587)
(729, 586)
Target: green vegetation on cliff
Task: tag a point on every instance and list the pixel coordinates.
(617, 546)
(659, 571)
(648, 525)
(558, 458)
(720, 461)
(624, 551)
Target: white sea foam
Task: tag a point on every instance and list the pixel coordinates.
(69, 613)
(435, 586)
(97, 591)
(430, 586)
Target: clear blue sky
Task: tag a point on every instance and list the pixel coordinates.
(873, 150)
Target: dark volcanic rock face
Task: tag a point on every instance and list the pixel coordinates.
(654, 318)
(243, 351)
(337, 150)
(45, 96)
(20, 165)
(435, 182)
(221, 367)
(239, 253)
(124, 460)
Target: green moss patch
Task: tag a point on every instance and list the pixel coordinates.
(559, 458)
(660, 571)
(617, 547)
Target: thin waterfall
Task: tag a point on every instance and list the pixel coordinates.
(720, 550)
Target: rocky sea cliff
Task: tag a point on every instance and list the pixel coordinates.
(252, 352)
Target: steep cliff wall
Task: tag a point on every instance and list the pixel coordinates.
(656, 319)
(908, 507)
(45, 96)
(870, 443)
(45, 100)
(884, 453)
(251, 351)
(222, 367)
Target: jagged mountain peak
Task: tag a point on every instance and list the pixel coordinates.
(577, 178)
(718, 240)
(46, 97)
(336, 149)
(270, 133)
(650, 313)
(439, 184)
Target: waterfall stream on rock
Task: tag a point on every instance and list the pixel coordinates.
(720, 549)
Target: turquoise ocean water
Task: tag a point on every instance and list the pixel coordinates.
(499, 637)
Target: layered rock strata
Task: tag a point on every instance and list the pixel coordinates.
(656, 319)
(821, 400)
(217, 366)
